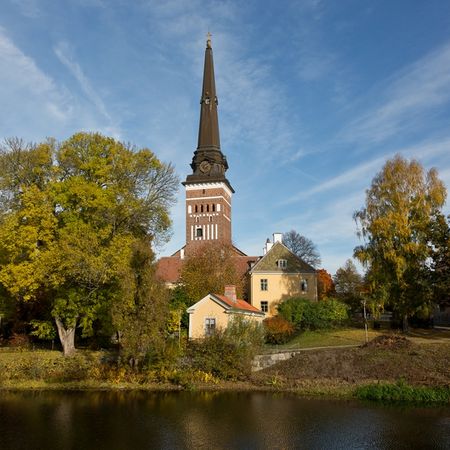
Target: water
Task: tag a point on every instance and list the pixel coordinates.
(180, 420)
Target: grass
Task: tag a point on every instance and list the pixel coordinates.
(327, 338)
(356, 336)
(403, 392)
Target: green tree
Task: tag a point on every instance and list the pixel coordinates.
(440, 257)
(209, 269)
(401, 205)
(70, 214)
(303, 247)
(349, 284)
(140, 313)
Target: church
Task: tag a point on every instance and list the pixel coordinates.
(208, 208)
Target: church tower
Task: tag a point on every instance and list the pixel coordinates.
(208, 192)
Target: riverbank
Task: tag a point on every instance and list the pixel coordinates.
(333, 372)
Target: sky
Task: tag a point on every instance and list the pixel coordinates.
(314, 96)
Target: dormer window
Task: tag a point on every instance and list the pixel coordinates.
(282, 263)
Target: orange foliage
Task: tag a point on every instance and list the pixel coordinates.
(325, 284)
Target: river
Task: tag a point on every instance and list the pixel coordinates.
(212, 420)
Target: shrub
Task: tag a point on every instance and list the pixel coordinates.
(308, 315)
(228, 354)
(278, 330)
(402, 392)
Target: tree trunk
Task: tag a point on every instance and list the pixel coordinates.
(405, 325)
(67, 338)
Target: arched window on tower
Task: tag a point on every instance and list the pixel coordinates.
(201, 208)
(207, 208)
(196, 208)
(213, 207)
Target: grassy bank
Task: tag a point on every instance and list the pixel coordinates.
(368, 372)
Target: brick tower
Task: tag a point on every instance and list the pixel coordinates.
(208, 192)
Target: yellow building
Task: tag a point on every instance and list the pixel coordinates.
(214, 311)
(278, 275)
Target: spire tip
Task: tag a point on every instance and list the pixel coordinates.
(208, 40)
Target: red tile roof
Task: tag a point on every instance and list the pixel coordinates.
(168, 268)
(239, 304)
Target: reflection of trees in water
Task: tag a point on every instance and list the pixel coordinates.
(222, 420)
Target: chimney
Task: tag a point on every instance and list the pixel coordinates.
(230, 292)
(277, 237)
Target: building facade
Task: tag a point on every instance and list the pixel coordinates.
(278, 275)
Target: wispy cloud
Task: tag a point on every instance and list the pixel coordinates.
(65, 55)
(407, 100)
(26, 89)
(29, 8)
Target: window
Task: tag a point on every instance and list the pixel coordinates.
(199, 232)
(213, 207)
(282, 263)
(196, 208)
(264, 306)
(264, 284)
(304, 286)
(207, 208)
(201, 208)
(210, 326)
(218, 207)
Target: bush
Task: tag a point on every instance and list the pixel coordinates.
(308, 315)
(278, 330)
(402, 392)
(228, 354)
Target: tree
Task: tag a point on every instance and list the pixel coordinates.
(303, 247)
(140, 313)
(401, 206)
(70, 216)
(325, 285)
(349, 283)
(209, 269)
(440, 259)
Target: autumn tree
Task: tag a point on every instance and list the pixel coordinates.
(349, 284)
(303, 247)
(325, 284)
(141, 310)
(401, 205)
(440, 259)
(70, 214)
(208, 269)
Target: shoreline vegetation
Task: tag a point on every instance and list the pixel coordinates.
(390, 368)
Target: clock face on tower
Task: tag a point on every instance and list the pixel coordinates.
(205, 166)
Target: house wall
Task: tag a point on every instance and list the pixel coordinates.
(280, 286)
(210, 309)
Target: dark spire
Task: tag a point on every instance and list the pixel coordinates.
(208, 133)
(208, 163)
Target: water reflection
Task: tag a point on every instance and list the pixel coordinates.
(140, 420)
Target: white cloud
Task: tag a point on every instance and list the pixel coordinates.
(64, 54)
(409, 96)
(29, 8)
(27, 94)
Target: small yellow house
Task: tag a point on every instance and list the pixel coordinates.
(278, 275)
(214, 311)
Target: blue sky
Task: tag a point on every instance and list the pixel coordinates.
(314, 96)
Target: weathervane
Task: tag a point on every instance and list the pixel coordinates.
(208, 40)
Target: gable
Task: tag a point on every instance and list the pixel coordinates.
(268, 263)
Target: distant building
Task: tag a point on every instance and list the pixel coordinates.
(280, 274)
(215, 311)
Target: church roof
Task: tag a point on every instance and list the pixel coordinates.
(269, 262)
